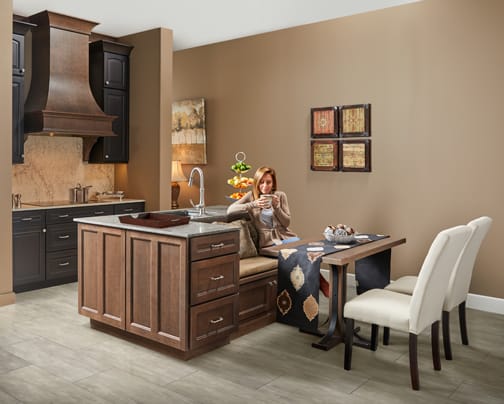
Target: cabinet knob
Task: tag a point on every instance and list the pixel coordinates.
(23, 70)
(107, 82)
(106, 156)
(44, 230)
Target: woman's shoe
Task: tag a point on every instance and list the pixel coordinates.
(324, 286)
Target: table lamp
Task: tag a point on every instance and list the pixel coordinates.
(177, 175)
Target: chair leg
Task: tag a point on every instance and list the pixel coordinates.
(349, 326)
(413, 361)
(463, 325)
(374, 337)
(386, 335)
(446, 335)
(436, 358)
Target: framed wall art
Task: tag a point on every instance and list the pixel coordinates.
(324, 122)
(355, 120)
(355, 155)
(188, 131)
(324, 155)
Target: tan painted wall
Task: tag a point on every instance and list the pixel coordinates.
(433, 73)
(6, 294)
(148, 173)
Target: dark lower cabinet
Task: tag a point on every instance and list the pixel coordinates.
(17, 119)
(28, 251)
(45, 243)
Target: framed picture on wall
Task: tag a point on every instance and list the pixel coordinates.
(355, 155)
(324, 155)
(189, 131)
(355, 120)
(324, 122)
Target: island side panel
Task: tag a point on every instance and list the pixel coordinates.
(101, 274)
(156, 284)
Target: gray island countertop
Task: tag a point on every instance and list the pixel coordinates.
(194, 228)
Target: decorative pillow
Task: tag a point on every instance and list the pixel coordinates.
(247, 246)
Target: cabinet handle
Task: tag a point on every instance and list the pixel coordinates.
(217, 278)
(64, 264)
(23, 70)
(64, 237)
(220, 245)
(128, 210)
(217, 320)
(62, 216)
(26, 219)
(99, 213)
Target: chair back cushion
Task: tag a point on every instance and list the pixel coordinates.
(460, 280)
(430, 289)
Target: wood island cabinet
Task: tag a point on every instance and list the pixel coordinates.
(179, 292)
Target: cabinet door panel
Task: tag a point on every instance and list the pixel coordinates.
(17, 54)
(116, 148)
(17, 120)
(28, 257)
(156, 283)
(116, 71)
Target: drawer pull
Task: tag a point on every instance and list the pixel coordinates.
(217, 320)
(62, 216)
(99, 213)
(64, 264)
(64, 237)
(220, 245)
(217, 278)
(128, 210)
(26, 219)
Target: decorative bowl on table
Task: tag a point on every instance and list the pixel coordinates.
(340, 234)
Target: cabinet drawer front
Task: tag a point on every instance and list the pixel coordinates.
(96, 210)
(34, 219)
(215, 245)
(127, 208)
(213, 320)
(61, 264)
(214, 278)
(257, 297)
(61, 236)
(67, 215)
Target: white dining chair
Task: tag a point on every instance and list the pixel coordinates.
(458, 286)
(410, 313)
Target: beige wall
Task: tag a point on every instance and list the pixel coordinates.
(6, 295)
(148, 173)
(433, 73)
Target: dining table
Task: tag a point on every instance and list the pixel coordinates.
(372, 270)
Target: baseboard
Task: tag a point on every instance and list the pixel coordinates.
(477, 302)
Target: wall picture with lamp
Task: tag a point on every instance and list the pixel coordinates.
(188, 140)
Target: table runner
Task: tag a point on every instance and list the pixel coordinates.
(299, 281)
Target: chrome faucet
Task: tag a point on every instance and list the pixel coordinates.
(201, 205)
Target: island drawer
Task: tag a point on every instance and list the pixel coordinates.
(213, 320)
(61, 264)
(215, 277)
(215, 245)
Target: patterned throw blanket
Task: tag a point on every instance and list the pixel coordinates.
(299, 281)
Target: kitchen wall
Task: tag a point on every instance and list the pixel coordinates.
(6, 295)
(53, 165)
(432, 71)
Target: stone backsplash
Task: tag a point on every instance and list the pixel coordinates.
(53, 165)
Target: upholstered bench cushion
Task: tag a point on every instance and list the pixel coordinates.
(256, 265)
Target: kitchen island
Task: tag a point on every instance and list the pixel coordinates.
(173, 288)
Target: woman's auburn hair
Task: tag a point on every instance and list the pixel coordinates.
(259, 174)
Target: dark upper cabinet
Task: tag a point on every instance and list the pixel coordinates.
(109, 81)
(17, 119)
(19, 29)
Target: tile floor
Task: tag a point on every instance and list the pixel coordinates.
(49, 354)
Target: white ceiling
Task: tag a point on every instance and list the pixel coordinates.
(201, 22)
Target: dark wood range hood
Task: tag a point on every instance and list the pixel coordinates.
(60, 102)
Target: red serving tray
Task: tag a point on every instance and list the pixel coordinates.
(155, 220)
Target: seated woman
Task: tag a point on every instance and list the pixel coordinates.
(269, 212)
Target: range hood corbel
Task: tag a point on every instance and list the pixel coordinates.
(60, 101)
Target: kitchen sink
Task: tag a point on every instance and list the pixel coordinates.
(209, 216)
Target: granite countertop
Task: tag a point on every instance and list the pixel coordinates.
(192, 229)
(65, 204)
